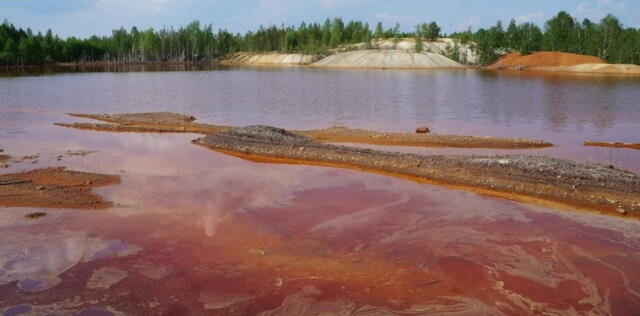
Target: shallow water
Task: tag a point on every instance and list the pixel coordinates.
(199, 232)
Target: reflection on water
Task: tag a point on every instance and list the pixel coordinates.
(197, 232)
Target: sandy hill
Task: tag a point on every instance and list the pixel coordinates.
(441, 46)
(268, 59)
(544, 59)
(398, 59)
(563, 62)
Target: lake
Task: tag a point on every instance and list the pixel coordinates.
(198, 232)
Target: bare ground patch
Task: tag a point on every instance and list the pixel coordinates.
(54, 188)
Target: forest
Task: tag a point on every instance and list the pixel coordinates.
(607, 39)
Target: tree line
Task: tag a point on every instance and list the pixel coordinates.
(607, 39)
(193, 43)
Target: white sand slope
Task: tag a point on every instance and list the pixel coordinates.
(620, 69)
(268, 59)
(393, 59)
(442, 46)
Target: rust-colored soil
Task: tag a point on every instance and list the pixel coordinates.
(165, 122)
(614, 144)
(543, 59)
(155, 122)
(54, 188)
(347, 135)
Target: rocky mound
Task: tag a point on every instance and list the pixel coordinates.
(264, 134)
(387, 59)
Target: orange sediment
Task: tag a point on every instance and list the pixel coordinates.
(543, 59)
(54, 188)
(563, 62)
(613, 144)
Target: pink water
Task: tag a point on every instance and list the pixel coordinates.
(200, 233)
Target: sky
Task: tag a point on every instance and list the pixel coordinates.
(83, 18)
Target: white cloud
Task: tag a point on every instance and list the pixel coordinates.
(597, 9)
(395, 18)
(582, 7)
(330, 4)
(275, 11)
(472, 22)
(531, 17)
(612, 3)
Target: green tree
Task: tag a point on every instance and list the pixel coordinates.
(560, 32)
(419, 47)
(336, 32)
(610, 30)
(433, 31)
(396, 35)
(513, 37)
(379, 33)
(530, 38)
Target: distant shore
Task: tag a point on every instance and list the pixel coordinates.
(384, 57)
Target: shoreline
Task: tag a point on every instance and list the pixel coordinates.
(230, 64)
(530, 179)
(108, 63)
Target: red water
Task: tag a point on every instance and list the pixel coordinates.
(197, 232)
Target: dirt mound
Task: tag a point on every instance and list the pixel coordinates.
(536, 178)
(262, 133)
(387, 59)
(543, 59)
(54, 188)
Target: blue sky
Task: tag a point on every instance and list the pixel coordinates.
(87, 17)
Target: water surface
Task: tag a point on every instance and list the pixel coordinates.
(197, 232)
